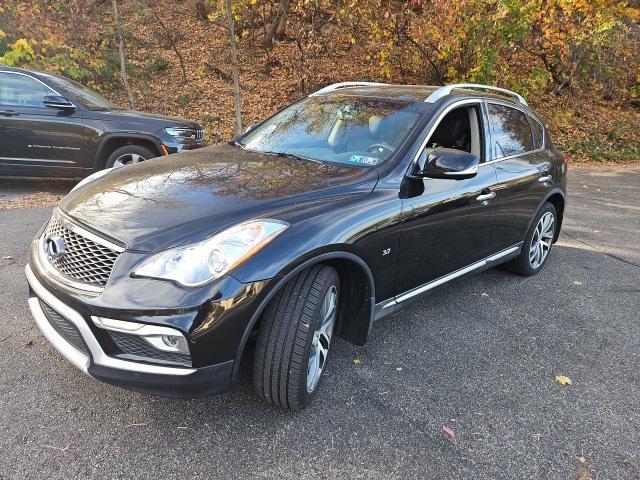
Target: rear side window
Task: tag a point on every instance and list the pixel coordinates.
(22, 91)
(510, 131)
(538, 133)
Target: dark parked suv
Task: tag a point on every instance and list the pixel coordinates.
(335, 212)
(52, 126)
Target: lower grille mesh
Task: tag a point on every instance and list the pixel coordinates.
(136, 346)
(64, 327)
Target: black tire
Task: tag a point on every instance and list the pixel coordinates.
(522, 264)
(285, 338)
(143, 152)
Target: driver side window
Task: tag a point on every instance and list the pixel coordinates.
(460, 130)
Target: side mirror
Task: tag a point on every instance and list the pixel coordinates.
(56, 101)
(447, 163)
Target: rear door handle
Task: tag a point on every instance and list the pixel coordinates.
(486, 196)
(8, 113)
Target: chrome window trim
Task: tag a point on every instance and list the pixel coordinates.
(39, 81)
(537, 150)
(70, 352)
(450, 276)
(423, 145)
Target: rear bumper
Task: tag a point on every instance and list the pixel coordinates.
(93, 361)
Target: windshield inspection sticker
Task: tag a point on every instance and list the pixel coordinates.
(363, 160)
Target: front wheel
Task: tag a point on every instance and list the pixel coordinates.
(294, 338)
(537, 244)
(128, 155)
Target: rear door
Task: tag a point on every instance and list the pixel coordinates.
(36, 140)
(523, 170)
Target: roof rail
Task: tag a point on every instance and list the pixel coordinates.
(336, 86)
(446, 90)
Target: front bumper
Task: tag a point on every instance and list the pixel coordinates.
(92, 360)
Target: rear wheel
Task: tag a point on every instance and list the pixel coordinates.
(129, 155)
(295, 337)
(537, 244)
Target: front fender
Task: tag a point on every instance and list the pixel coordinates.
(357, 316)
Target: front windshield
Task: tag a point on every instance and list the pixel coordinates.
(345, 129)
(89, 99)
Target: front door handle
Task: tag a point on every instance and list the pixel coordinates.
(8, 113)
(486, 196)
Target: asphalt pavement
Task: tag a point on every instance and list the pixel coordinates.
(479, 357)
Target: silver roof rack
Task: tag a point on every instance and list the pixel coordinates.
(336, 86)
(446, 90)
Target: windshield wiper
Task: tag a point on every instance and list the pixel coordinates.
(287, 155)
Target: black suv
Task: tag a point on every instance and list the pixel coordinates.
(52, 126)
(335, 212)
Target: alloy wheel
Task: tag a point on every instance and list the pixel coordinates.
(128, 159)
(541, 240)
(322, 339)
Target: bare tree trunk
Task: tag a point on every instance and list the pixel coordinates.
(172, 42)
(234, 68)
(279, 22)
(123, 58)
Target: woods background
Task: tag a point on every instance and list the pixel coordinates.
(577, 62)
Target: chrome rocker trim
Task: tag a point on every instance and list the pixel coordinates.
(444, 279)
(72, 354)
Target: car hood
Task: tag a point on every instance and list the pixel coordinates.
(135, 115)
(184, 198)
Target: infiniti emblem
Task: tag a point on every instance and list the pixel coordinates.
(55, 247)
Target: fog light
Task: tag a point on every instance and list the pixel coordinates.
(165, 339)
(170, 340)
(168, 343)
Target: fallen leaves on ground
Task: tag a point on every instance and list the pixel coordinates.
(357, 361)
(449, 431)
(350, 402)
(577, 283)
(28, 344)
(563, 380)
(7, 257)
(64, 449)
(40, 199)
(583, 473)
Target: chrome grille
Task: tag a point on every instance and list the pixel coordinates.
(200, 135)
(84, 260)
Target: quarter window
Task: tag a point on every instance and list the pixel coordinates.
(22, 91)
(510, 131)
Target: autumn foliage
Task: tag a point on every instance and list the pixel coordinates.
(577, 61)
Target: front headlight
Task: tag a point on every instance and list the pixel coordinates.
(202, 262)
(182, 132)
